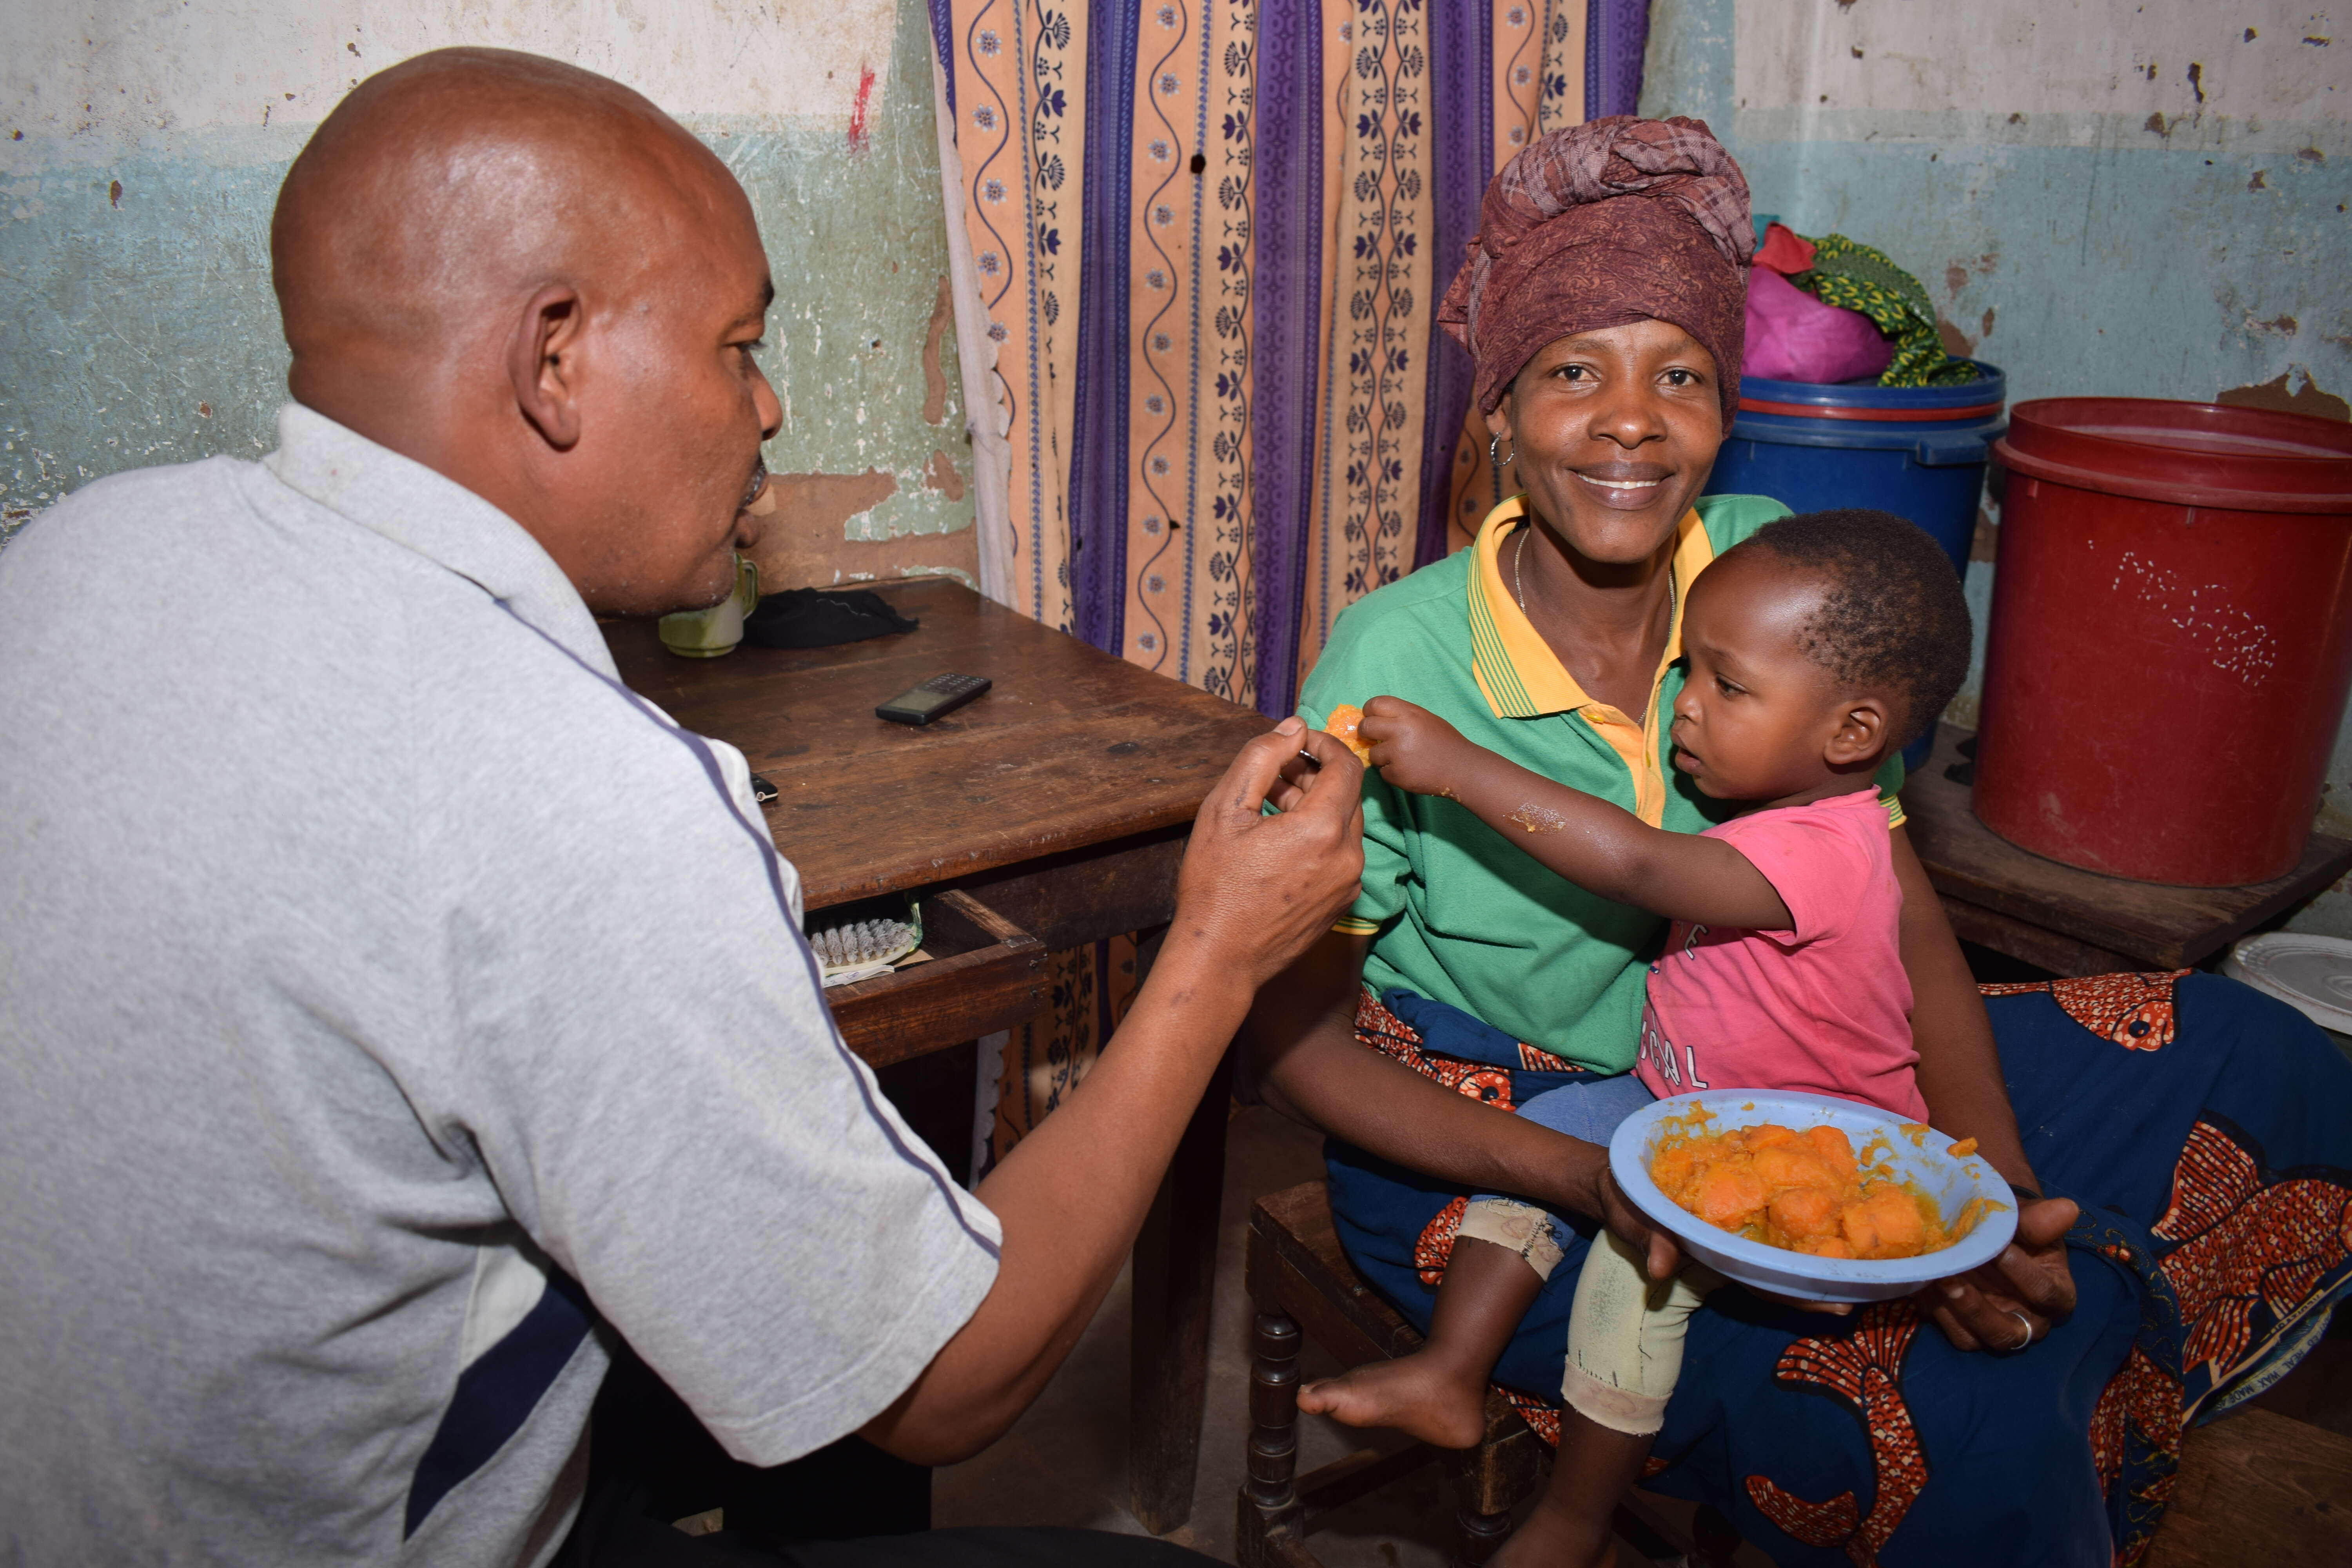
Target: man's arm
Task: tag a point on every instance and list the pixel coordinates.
(1602, 849)
(1254, 891)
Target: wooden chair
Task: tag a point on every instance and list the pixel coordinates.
(1302, 1285)
(2257, 1487)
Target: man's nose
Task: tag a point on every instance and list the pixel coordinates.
(763, 398)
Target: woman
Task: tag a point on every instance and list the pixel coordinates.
(1604, 305)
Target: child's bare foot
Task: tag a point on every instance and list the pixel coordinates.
(1413, 1394)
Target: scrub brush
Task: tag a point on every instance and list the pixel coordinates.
(860, 950)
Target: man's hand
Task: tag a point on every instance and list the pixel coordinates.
(1257, 891)
(1414, 749)
(2010, 1303)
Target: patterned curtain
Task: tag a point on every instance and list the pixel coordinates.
(1198, 246)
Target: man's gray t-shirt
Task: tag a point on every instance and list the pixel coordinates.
(392, 1007)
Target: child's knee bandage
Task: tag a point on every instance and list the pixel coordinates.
(1625, 1337)
(1515, 1226)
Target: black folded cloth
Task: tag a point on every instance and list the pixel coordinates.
(803, 617)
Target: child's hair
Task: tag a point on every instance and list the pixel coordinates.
(1892, 614)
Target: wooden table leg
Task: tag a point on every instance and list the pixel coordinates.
(1175, 1268)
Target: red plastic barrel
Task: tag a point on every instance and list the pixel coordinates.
(2172, 637)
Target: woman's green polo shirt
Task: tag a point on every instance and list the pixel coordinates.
(1456, 911)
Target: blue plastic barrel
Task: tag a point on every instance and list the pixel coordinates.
(1916, 451)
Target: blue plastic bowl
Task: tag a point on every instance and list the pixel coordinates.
(1916, 451)
(1950, 1181)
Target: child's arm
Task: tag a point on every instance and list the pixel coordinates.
(1600, 846)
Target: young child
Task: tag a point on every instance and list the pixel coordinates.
(1814, 648)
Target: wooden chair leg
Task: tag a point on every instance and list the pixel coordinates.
(1489, 1481)
(1477, 1536)
(1270, 1512)
(1713, 1535)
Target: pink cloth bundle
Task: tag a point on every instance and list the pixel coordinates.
(1791, 336)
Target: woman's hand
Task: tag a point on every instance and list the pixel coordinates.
(2010, 1303)
(1414, 749)
(1610, 1205)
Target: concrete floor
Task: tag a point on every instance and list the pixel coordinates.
(1066, 1462)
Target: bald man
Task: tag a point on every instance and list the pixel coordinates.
(396, 1009)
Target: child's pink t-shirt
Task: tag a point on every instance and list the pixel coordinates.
(1824, 1008)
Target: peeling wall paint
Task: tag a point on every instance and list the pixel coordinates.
(2124, 198)
(104, 72)
(141, 144)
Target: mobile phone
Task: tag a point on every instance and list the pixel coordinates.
(940, 694)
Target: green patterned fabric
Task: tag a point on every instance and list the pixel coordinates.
(1855, 277)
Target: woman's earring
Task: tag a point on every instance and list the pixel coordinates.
(1493, 446)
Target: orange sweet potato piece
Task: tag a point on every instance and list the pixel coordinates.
(1806, 1213)
(1728, 1196)
(1672, 1167)
(1342, 727)
(1835, 1149)
(1793, 1164)
(1884, 1224)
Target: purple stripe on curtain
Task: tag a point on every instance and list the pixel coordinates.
(1099, 397)
(943, 48)
(1461, 121)
(1288, 309)
(1616, 32)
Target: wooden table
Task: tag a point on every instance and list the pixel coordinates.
(2071, 921)
(1049, 813)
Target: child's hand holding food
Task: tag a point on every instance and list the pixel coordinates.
(1414, 749)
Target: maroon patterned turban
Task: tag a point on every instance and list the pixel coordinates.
(1601, 225)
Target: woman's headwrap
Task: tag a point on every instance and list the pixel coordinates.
(1601, 225)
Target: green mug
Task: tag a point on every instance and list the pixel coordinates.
(709, 634)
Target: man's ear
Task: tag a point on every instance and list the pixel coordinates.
(1863, 724)
(542, 363)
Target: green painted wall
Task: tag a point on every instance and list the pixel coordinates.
(137, 325)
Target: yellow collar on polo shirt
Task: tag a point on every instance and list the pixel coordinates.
(1516, 670)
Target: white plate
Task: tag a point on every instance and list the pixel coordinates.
(1950, 1181)
(2312, 974)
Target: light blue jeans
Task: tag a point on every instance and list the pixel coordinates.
(1590, 1109)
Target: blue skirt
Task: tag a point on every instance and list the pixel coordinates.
(2205, 1129)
